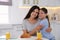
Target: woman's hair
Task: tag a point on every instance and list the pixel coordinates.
(45, 11)
(30, 11)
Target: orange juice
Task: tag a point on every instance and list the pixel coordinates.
(39, 35)
(7, 36)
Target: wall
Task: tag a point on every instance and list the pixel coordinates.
(15, 14)
(49, 3)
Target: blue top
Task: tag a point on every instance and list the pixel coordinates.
(45, 24)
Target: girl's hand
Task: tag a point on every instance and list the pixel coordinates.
(48, 29)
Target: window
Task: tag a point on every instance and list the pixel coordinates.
(4, 5)
(4, 14)
(5, 2)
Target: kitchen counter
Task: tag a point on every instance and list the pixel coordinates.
(32, 38)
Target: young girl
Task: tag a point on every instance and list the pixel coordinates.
(45, 24)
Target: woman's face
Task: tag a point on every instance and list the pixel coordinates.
(42, 14)
(34, 13)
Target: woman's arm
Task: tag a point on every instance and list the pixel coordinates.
(25, 34)
(39, 28)
(36, 29)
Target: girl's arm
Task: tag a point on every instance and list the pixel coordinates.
(49, 29)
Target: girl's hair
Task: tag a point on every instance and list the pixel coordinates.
(48, 19)
(30, 11)
(45, 11)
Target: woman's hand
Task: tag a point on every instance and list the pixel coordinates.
(48, 29)
(25, 34)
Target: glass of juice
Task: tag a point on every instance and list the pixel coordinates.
(39, 35)
(7, 35)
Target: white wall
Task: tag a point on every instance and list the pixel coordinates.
(49, 2)
(15, 14)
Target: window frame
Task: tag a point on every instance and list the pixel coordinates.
(9, 3)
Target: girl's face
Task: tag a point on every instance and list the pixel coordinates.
(42, 14)
(34, 13)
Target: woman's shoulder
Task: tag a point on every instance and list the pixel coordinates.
(24, 20)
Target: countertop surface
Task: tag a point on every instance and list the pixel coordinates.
(32, 38)
(3, 37)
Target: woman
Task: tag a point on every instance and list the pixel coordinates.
(31, 22)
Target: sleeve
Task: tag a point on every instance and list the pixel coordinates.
(24, 25)
(44, 23)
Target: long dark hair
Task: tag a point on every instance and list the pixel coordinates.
(30, 11)
(46, 11)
